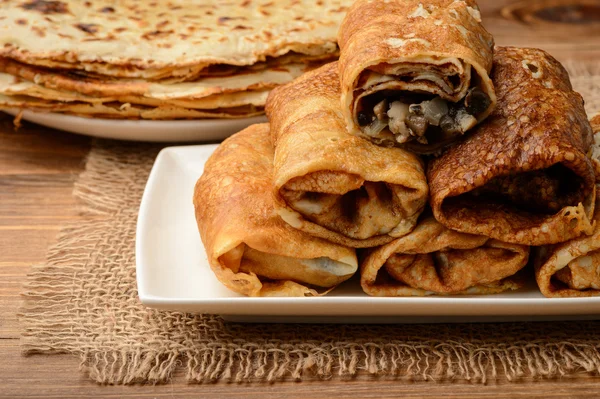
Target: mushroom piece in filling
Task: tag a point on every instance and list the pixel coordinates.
(433, 119)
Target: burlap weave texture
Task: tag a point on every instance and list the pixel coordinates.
(84, 301)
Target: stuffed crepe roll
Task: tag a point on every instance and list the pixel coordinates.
(415, 74)
(249, 248)
(433, 259)
(572, 268)
(334, 185)
(524, 175)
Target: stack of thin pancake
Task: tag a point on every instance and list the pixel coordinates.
(159, 59)
(440, 160)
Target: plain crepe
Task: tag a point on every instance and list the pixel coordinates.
(165, 59)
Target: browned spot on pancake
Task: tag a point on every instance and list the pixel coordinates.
(21, 21)
(38, 31)
(119, 30)
(222, 20)
(88, 28)
(162, 24)
(107, 10)
(156, 34)
(46, 7)
(246, 3)
(241, 27)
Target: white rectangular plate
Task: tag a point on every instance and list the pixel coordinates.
(173, 271)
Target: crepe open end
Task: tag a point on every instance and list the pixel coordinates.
(434, 260)
(415, 74)
(330, 183)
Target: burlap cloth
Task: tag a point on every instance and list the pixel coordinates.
(84, 301)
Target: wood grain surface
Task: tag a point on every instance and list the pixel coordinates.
(38, 167)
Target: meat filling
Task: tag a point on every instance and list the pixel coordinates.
(425, 120)
(541, 191)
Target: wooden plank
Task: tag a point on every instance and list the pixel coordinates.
(37, 150)
(565, 41)
(25, 202)
(26, 245)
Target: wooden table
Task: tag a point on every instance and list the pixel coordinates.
(38, 167)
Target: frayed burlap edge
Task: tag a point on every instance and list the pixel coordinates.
(83, 301)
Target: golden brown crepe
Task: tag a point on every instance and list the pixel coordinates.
(524, 175)
(117, 110)
(14, 86)
(249, 248)
(234, 96)
(101, 86)
(415, 74)
(332, 184)
(433, 259)
(572, 268)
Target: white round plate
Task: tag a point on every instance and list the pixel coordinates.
(141, 130)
